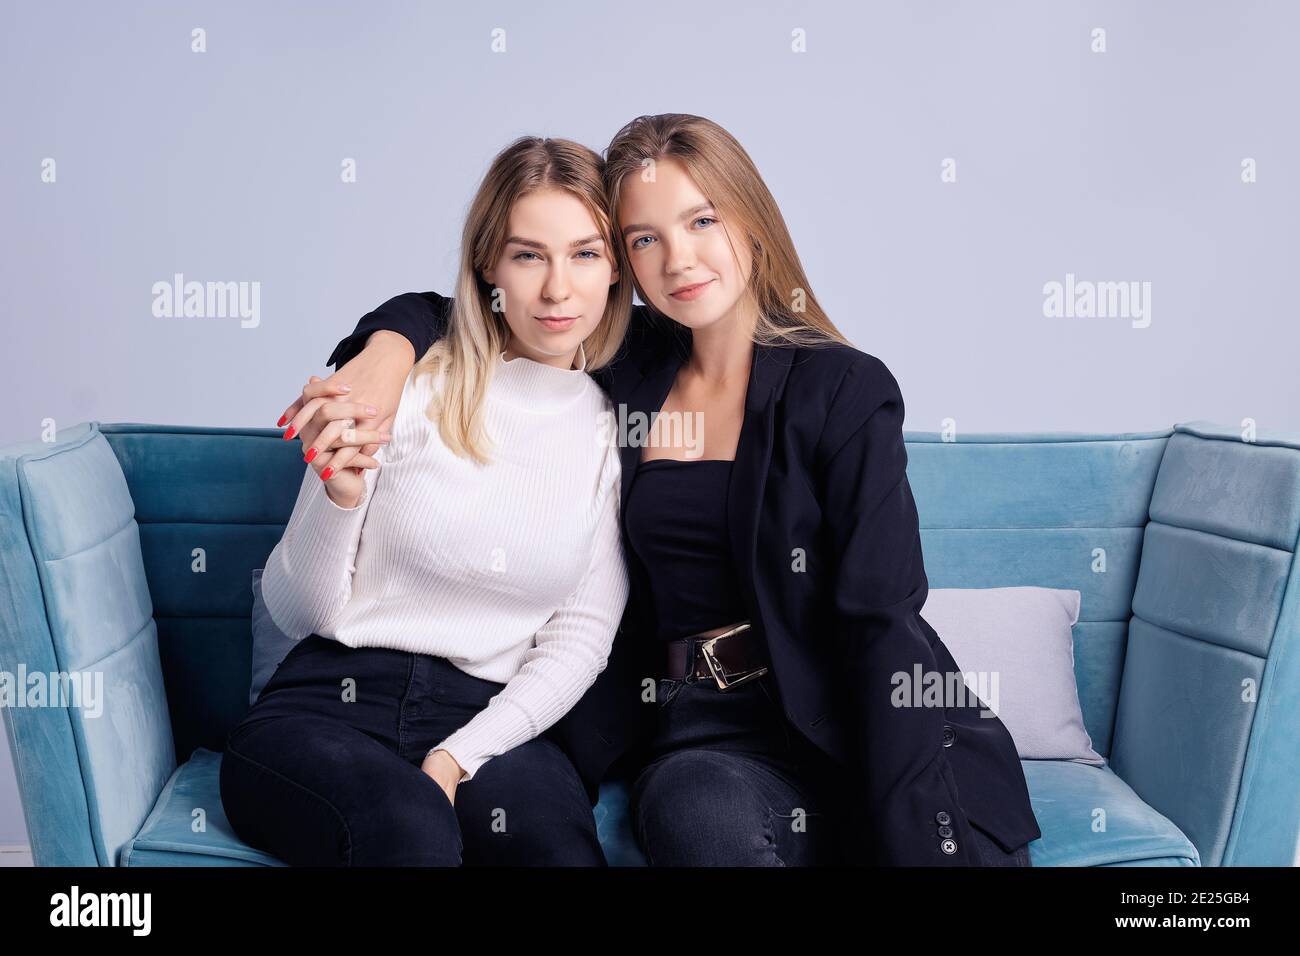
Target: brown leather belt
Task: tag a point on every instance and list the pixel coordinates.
(730, 659)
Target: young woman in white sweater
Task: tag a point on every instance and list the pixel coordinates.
(458, 592)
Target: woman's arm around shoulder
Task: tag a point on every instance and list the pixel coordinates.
(419, 316)
(422, 318)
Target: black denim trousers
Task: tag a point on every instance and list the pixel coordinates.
(324, 770)
(727, 781)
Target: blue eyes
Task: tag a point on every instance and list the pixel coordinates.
(590, 253)
(635, 243)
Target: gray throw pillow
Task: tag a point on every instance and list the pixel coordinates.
(1018, 644)
(270, 644)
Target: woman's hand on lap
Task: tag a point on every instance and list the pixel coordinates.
(445, 771)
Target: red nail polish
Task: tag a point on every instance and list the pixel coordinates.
(327, 473)
(290, 433)
(309, 456)
(283, 419)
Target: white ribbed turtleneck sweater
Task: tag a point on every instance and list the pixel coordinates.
(513, 571)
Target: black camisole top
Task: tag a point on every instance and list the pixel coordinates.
(677, 525)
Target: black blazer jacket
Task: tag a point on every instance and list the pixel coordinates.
(827, 546)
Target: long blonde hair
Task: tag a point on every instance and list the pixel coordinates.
(788, 312)
(476, 334)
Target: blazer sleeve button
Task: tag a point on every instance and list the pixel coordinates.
(949, 846)
(942, 818)
(949, 735)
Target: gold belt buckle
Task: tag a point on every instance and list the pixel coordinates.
(724, 680)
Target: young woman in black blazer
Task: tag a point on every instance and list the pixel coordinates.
(788, 533)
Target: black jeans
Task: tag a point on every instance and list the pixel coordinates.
(728, 781)
(324, 770)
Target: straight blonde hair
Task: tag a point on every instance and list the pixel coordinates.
(477, 333)
(788, 312)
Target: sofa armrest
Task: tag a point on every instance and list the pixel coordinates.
(1210, 697)
(93, 754)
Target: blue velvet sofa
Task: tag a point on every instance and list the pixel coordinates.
(127, 549)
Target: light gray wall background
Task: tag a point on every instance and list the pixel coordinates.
(1123, 165)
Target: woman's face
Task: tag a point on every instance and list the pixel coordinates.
(680, 249)
(554, 275)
